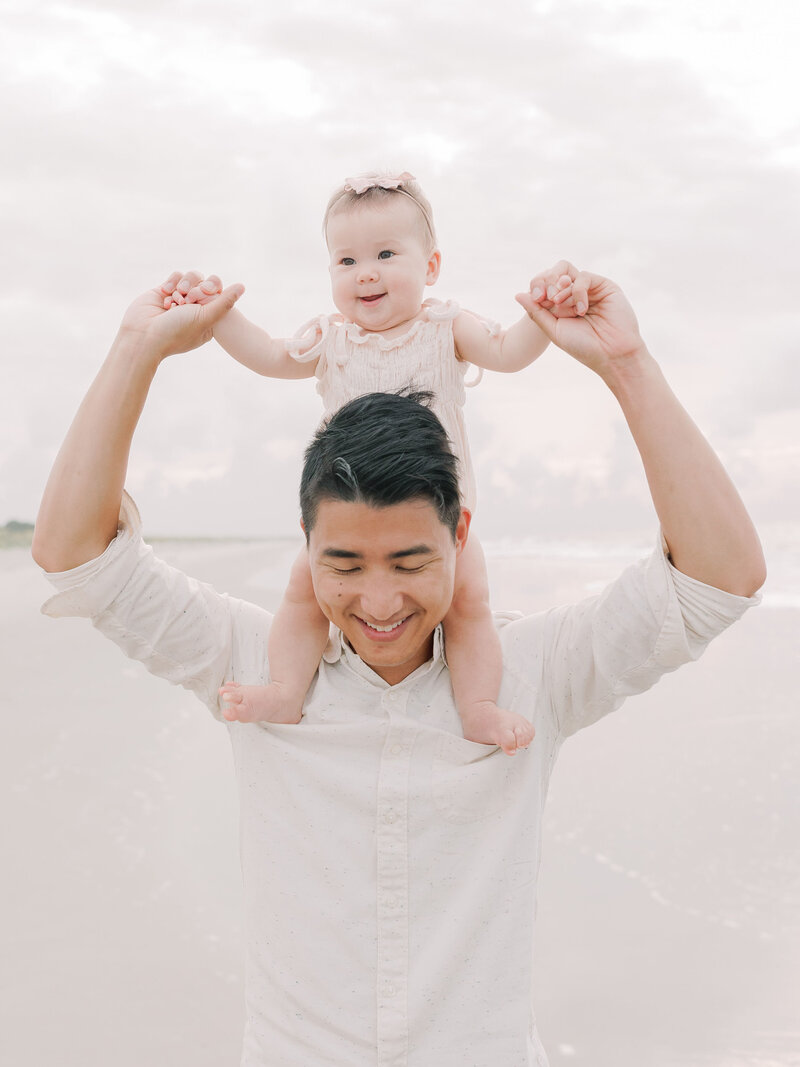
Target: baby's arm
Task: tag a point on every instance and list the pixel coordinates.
(254, 347)
(517, 347)
(248, 343)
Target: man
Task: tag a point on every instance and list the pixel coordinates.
(389, 865)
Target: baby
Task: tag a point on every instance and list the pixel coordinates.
(383, 254)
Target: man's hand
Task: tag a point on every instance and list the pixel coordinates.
(708, 532)
(180, 326)
(587, 316)
(80, 509)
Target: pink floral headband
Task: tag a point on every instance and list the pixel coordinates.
(362, 182)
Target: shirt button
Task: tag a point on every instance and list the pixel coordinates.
(396, 750)
(390, 817)
(389, 990)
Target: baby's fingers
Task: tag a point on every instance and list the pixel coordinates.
(580, 292)
(179, 284)
(205, 291)
(171, 284)
(552, 287)
(570, 295)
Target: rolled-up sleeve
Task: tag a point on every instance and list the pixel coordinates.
(588, 657)
(181, 630)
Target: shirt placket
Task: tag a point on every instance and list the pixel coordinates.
(392, 885)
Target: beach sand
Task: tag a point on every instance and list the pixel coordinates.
(669, 912)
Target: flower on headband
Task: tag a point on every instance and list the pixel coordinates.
(362, 182)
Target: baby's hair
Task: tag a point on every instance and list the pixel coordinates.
(345, 198)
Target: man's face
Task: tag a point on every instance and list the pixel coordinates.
(385, 576)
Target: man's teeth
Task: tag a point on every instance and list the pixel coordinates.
(384, 629)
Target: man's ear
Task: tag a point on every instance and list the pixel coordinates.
(462, 530)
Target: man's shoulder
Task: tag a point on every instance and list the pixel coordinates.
(523, 637)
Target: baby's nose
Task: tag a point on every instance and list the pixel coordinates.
(368, 272)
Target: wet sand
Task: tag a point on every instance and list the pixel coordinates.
(669, 906)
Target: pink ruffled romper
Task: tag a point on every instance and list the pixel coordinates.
(353, 362)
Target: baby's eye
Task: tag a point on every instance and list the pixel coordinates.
(348, 261)
(385, 254)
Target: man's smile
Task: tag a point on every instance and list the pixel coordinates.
(383, 633)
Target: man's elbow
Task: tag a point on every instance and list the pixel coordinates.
(757, 577)
(750, 575)
(55, 554)
(46, 552)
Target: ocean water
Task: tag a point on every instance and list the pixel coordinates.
(669, 904)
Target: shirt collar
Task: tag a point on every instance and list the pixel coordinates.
(337, 648)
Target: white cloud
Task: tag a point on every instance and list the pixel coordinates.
(138, 142)
(206, 67)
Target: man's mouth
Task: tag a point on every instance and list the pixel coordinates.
(382, 633)
(384, 629)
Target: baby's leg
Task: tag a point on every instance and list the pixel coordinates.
(297, 639)
(475, 659)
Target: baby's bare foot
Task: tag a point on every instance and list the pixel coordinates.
(487, 724)
(260, 703)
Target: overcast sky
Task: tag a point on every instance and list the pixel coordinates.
(656, 141)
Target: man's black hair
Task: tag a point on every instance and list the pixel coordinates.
(382, 449)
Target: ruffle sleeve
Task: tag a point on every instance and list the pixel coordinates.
(317, 327)
(494, 329)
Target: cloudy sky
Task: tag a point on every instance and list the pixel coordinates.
(655, 141)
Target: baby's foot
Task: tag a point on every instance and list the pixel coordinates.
(487, 724)
(260, 703)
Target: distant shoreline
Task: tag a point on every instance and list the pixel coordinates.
(16, 534)
(20, 535)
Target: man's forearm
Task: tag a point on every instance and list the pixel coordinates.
(706, 526)
(78, 516)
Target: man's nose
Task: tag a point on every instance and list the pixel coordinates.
(381, 600)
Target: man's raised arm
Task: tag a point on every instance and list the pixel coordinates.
(78, 516)
(707, 529)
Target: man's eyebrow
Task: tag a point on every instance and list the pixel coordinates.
(344, 553)
(415, 550)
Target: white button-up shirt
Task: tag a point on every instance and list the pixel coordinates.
(390, 865)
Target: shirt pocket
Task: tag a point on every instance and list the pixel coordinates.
(471, 781)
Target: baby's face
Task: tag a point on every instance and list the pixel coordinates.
(380, 264)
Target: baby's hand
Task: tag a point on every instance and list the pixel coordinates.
(556, 291)
(183, 293)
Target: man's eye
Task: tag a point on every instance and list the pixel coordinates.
(385, 254)
(346, 570)
(411, 570)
